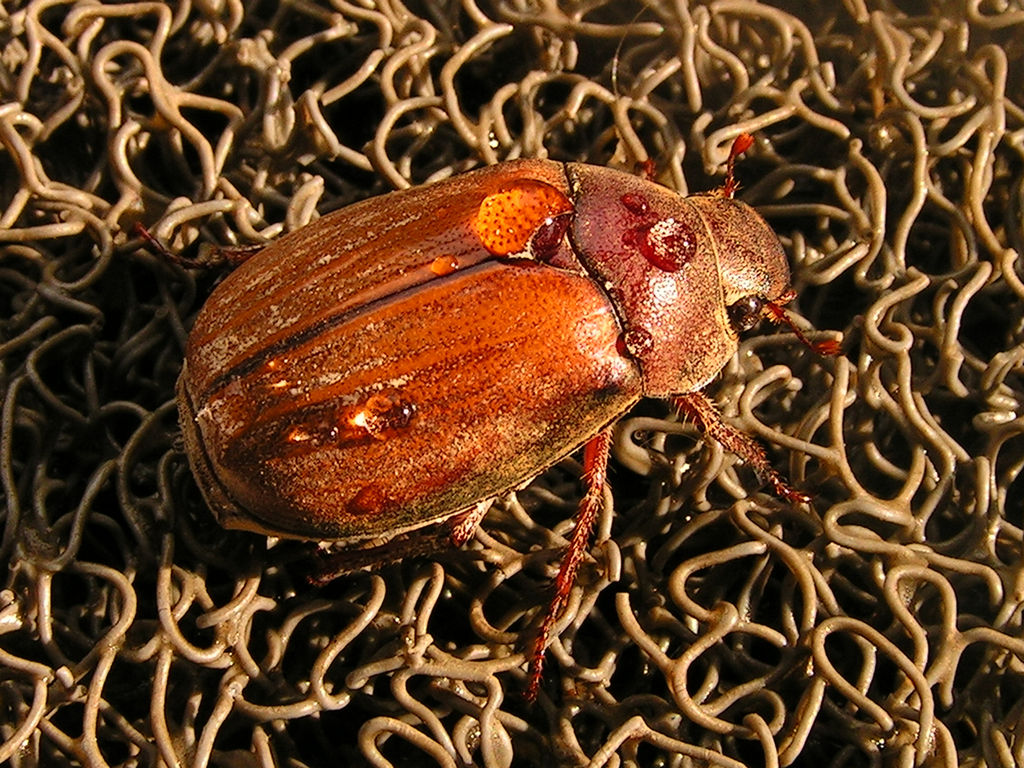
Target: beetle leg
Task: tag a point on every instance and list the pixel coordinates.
(229, 256)
(210, 256)
(451, 533)
(698, 407)
(741, 144)
(595, 471)
(463, 525)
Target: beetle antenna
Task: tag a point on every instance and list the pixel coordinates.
(740, 144)
(618, 52)
(779, 315)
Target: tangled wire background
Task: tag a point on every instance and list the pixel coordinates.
(713, 624)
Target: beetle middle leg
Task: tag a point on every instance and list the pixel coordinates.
(595, 472)
(698, 407)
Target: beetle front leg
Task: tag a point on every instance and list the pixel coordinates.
(698, 407)
(595, 472)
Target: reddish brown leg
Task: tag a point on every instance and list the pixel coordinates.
(740, 144)
(595, 471)
(698, 407)
(647, 170)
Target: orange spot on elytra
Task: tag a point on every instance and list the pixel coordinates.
(508, 218)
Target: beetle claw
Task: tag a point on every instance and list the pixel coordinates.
(786, 492)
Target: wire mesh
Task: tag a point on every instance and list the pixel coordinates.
(712, 625)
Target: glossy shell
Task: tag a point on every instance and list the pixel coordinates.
(403, 358)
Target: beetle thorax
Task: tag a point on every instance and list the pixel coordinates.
(672, 266)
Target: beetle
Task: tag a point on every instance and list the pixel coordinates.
(392, 367)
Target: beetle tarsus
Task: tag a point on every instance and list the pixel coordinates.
(774, 310)
(699, 407)
(595, 472)
(159, 248)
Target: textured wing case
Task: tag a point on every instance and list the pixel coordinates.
(340, 389)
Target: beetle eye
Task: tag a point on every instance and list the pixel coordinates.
(745, 313)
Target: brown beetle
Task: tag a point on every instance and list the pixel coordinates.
(404, 360)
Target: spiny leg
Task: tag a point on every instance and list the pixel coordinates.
(210, 256)
(698, 407)
(595, 472)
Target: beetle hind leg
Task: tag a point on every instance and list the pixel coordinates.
(452, 533)
(210, 256)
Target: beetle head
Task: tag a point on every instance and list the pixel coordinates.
(751, 261)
